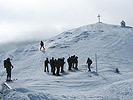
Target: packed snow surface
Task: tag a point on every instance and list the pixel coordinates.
(114, 48)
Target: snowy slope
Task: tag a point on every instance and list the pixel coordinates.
(111, 43)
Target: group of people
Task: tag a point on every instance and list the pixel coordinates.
(72, 62)
(57, 65)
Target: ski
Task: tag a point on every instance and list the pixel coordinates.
(11, 80)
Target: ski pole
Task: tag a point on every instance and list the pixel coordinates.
(96, 61)
(2, 75)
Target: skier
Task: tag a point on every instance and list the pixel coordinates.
(46, 65)
(8, 66)
(42, 45)
(89, 61)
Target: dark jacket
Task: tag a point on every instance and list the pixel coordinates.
(7, 64)
(89, 61)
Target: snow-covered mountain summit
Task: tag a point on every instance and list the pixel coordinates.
(103, 39)
(111, 43)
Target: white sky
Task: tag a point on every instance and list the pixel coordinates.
(22, 20)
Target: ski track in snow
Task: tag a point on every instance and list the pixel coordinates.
(113, 45)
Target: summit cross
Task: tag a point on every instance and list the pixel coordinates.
(99, 18)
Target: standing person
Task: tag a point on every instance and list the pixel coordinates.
(76, 63)
(8, 66)
(62, 62)
(57, 64)
(46, 65)
(89, 61)
(42, 45)
(73, 58)
(53, 69)
(69, 60)
(52, 64)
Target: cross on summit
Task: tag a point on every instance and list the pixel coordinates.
(99, 18)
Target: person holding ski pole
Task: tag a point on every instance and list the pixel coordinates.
(9, 67)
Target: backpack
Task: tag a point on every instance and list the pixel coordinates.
(89, 61)
(5, 63)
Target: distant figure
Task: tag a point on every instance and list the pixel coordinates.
(117, 70)
(73, 58)
(42, 45)
(57, 65)
(69, 60)
(76, 63)
(52, 63)
(89, 62)
(46, 65)
(8, 66)
(62, 62)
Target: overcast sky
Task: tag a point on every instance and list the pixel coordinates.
(22, 20)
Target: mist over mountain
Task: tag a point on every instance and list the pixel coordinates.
(5, 47)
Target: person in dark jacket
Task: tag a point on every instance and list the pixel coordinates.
(76, 63)
(57, 65)
(46, 65)
(69, 60)
(62, 62)
(53, 67)
(51, 64)
(89, 62)
(72, 60)
(8, 66)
